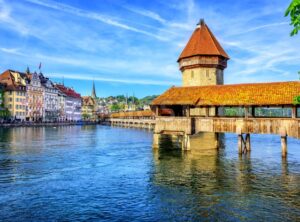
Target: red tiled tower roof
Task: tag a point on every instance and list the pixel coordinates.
(202, 42)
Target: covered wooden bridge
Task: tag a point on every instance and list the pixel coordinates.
(138, 119)
(260, 108)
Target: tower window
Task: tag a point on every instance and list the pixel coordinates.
(192, 74)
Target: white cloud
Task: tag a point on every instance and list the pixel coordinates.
(95, 16)
(81, 76)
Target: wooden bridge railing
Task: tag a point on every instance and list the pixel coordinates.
(173, 124)
(288, 126)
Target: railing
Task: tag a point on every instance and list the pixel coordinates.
(132, 121)
(173, 124)
(288, 126)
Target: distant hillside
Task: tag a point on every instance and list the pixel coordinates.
(118, 102)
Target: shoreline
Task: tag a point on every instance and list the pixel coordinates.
(12, 125)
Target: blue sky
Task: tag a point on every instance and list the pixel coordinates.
(132, 46)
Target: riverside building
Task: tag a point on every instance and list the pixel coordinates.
(90, 106)
(35, 98)
(14, 93)
(51, 103)
(72, 103)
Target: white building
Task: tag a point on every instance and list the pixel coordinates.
(72, 103)
(35, 98)
(51, 105)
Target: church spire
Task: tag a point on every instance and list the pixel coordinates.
(94, 91)
(27, 70)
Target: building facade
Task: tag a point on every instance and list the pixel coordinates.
(51, 103)
(4, 113)
(35, 98)
(90, 106)
(72, 103)
(61, 105)
(15, 93)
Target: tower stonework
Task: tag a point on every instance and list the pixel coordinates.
(203, 60)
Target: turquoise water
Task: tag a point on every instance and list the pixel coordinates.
(101, 173)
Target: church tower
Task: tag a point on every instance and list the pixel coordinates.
(203, 60)
(94, 96)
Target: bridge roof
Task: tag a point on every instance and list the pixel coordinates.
(248, 94)
(142, 113)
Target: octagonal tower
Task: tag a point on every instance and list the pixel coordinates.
(203, 60)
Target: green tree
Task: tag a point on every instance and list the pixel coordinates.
(85, 116)
(294, 11)
(115, 107)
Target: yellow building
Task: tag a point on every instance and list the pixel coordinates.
(15, 93)
(89, 108)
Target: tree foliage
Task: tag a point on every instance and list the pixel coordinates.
(294, 11)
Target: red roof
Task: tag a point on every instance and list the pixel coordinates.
(68, 91)
(8, 80)
(202, 42)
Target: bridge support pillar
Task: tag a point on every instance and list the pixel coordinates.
(244, 145)
(248, 143)
(240, 143)
(284, 146)
(156, 140)
(186, 142)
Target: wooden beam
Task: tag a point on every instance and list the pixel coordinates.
(253, 111)
(206, 112)
(246, 110)
(294, 112)
(188, 111)
(156, 111)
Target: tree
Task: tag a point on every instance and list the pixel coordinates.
(115, 107)
(294, 11)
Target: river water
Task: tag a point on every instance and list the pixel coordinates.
(101, 173)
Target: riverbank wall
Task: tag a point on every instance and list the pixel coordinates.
(27, 124)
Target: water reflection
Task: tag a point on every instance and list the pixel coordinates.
(220, 187)
(113, 174)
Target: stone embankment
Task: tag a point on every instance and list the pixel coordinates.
(29, 124)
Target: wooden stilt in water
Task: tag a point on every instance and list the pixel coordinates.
(240, 143)
(186, 142)
(248, 143)
(283, 134)
(284, 146)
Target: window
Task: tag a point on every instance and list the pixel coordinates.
(17, 99)
(10, 99)
(192, 74)
(207, 73)
(10, 92)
